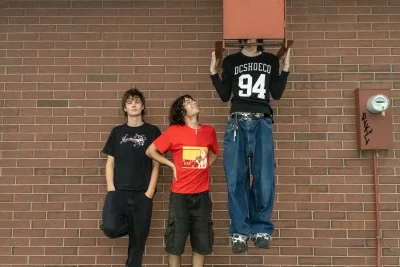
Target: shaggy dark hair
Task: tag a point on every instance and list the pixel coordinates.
(177, 112)
(132, 94)
(259, 47)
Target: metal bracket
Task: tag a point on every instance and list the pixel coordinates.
(220, 47)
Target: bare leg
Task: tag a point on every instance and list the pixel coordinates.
(174, 261)
(197, 260)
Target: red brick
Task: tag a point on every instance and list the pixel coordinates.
(5, 251)
(373, 35)
(51, 120)
(342, 52)
(310, 68)
(13, 259)
(49, 171)
(394, 18)
(81, 242)
(45, 260)
(103, 112)
(79, 260)
(47, 206)
(95, 251)
(61, 251)
(25, 86)
(374, 68)
(387, 76)
(29, 180)
(387, 59)
(348, 260)
(356, 43)
(33, 163)
(65, 163)
(47, 242)
(28, 251)
(10, 135)
(307, 3)
(355, 26)
(10, 78)
(63, 215)
(17, 171)
(385, 10)
(50, 154)
(385, 26)
(373, 18)
(82, 189)
(80, 224)
(22, 69)
(354, 10)
(23, 36)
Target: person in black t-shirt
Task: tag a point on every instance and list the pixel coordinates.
(131, 178)
(248, 78)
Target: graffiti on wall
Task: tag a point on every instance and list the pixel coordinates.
(367, 128)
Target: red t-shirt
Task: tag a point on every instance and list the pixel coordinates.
(189, 148)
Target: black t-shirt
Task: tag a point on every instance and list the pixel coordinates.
(128, 145)
(250, 81)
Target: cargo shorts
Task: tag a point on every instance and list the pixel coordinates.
(189, 214)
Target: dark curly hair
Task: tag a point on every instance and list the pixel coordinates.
(133, 94)
(259, 47)
(177, 111)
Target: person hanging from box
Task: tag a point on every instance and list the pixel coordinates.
(248, 79)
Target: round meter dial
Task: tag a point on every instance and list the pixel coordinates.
(377, 103)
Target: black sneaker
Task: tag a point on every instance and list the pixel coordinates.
(239, 243)
(261, 240)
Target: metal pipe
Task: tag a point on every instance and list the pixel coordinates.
(377, 210)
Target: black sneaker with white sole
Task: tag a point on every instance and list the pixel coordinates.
(239, 243)
(261, 240)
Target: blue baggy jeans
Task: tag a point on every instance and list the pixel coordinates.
(249, 148)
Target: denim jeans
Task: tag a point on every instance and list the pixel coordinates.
(250, 148)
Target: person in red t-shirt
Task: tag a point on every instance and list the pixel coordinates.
(194, 149)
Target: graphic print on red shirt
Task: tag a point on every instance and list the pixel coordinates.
(195, 157)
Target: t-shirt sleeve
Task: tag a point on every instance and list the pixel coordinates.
(214, 142)
(163, 143)
(109, 147)
(157, 133)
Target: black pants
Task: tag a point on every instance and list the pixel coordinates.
(128, 212)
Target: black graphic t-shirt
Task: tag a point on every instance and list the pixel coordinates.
(128, 145)
(250, 81)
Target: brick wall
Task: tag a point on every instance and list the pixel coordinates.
(65, 64)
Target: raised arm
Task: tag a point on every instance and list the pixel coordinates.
(279, 81)
(222, 86)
